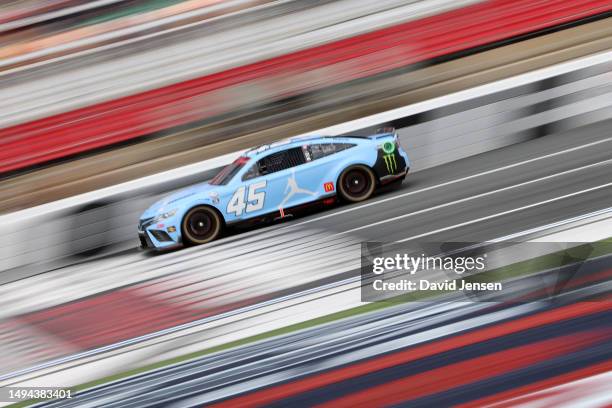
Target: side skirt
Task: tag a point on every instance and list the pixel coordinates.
(287, 213)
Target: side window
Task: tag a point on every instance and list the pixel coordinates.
(274, 162)
(343, 146)
(317, 151)
(229, 171)
(252, 172)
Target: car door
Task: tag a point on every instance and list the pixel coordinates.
(262, 186)
(297, 187)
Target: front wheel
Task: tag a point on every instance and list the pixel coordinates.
(200, 225)
(356, 183)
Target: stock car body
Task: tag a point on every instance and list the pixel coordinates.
(271, 181)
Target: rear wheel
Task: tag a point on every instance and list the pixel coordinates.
(200, 225)
(356, 183)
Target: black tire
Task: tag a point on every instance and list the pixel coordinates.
(200, 225)
(356, 183)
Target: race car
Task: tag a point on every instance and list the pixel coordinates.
(272, 181)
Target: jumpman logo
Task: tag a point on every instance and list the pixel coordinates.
(292, 189)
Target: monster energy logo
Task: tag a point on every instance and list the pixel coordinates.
(390, 162)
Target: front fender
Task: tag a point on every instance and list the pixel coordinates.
(188, 205)
(197, 202)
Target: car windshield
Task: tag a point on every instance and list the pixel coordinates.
(229, 171)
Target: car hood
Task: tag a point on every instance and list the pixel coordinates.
(175, 199)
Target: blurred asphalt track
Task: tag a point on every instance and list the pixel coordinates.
(246, 129)
(432, 199)
(475, 199)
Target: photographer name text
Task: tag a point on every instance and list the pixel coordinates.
(424, 284)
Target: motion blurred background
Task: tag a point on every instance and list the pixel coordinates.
(106, 105)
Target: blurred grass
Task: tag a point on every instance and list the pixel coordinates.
(538, 264)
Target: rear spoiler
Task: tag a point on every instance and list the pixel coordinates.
(380, 133)
(384, 132)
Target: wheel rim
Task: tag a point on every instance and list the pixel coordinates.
(356, 183)
(200, 225)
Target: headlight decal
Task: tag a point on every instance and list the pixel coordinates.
(166, 214)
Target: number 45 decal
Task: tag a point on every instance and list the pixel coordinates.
(254, 201)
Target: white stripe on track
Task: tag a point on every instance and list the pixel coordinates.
(447, 183)
(477, 196)
(488, 217)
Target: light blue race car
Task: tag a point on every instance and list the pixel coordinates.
(275, 181)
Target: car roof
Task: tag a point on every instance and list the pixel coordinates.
(283, 144)
(295, 141)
